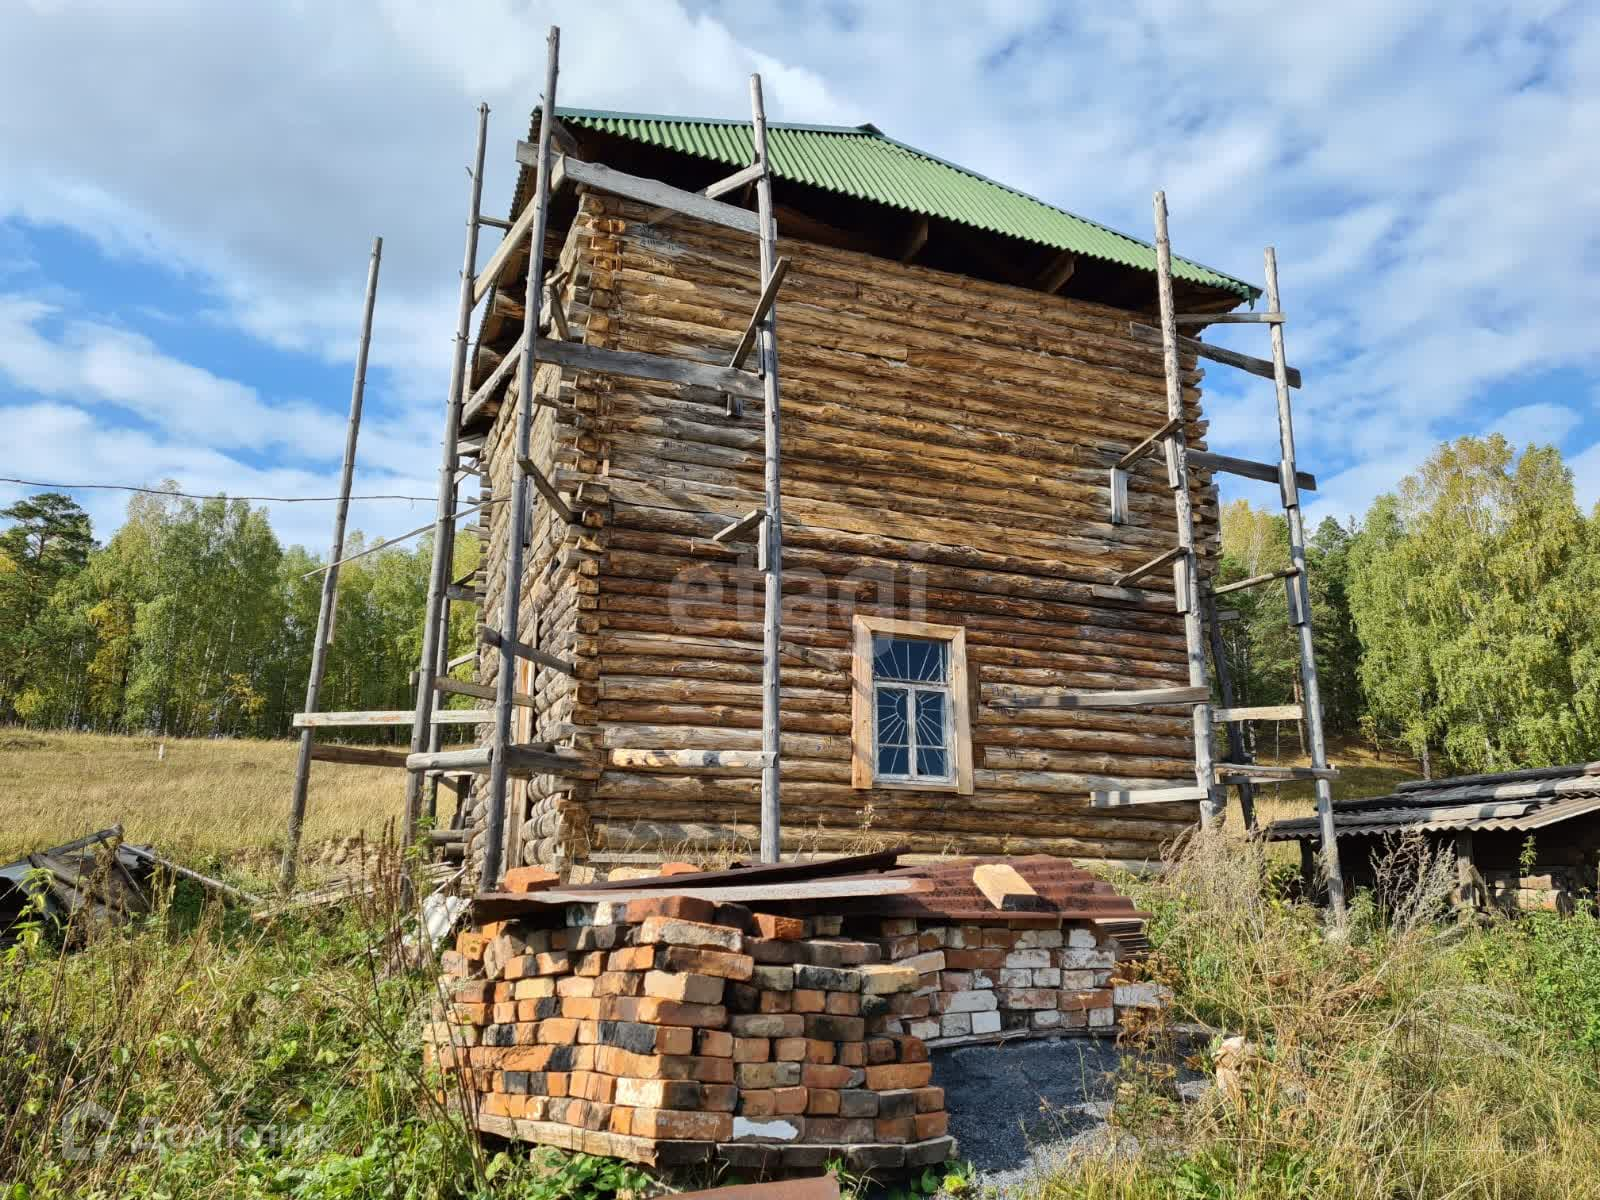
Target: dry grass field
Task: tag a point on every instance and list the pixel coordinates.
(202, 799)
(215, 798)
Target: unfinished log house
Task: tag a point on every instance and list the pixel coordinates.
(958, 373)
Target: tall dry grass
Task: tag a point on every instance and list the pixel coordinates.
(201, 797)
(1376, 1064)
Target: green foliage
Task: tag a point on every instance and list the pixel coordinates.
(1554, 962)
(1471, 592)
(193, 621)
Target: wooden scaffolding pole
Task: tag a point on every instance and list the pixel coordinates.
(434, 629)
(1300, 604)
(517, 530)
(330, 580)
(1186, 570)
(771, 541)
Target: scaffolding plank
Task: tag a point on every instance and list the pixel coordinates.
(490, 636)
(733, 182)
(515, 236)
(1146, 698)
(391, 716)
(1239, 585)
(520, 760)
(647, 191)
(638, 365)
(769, 295)
(482, 691)
(1155, 564)
(1259, 712)
(1247, 318)
(1148, 446)
(360, 756)
(1121, 798)
(740, 527)
(1261, 367)
(1231, 772)
(1266, 472)
(489, 386)
(546, 488)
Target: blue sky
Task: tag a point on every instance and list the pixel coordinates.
(190, 191)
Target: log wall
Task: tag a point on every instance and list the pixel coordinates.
(945, 443)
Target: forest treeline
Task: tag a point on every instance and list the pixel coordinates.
(1456, 622)
(192, 620)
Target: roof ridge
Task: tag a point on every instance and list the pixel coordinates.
(864, 130)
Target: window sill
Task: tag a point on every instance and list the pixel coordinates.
(917, 785)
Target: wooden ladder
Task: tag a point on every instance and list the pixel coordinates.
(1195, 600)
(543, 314)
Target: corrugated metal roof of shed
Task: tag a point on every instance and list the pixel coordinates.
(863, 162)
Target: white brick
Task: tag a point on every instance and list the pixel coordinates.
(1047, 977)
(1101, 1018)
(1047, 1018)
(1016, 977)
(1081, 981)
(1081, 939)
(986, 1022)
(922, 964)
(955, 1024)
(1028, 958)
(1040, 939)
(969, 1002)
(1078, 960)
(984, 979)
(923, 1029)
(1140, 995)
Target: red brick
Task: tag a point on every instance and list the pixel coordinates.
(751, 1049)
(756, 1103)
(1081, 1001)
(809, 1000)
(476, 992)
(852, 1054)
(822, 1102)
(891, 1076)
(575, 985)
(679, 868)
(666, 1125)
(530, 879)
(619, 983)
(716, 1043)
(682, 908)
(930, 1125)
(615, 1061)
(557, 1031)
(774, 1002)
(930, 1099)
(969, 960)
(470, 945)
(894, 1129)
(698, 961)
(674, 1039)
(786, 929)
(825, 1075)
(843, 1004)
(582, 1008)
(908, 1048)
(653, 1011)
(675, 985)
(632, 958)
(790, 1101)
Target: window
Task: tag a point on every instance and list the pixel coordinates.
(910, 725)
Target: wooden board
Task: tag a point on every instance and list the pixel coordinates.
(1005, 888)
(1115, 798)
(395, 716)
(659, 367)
(649, 191)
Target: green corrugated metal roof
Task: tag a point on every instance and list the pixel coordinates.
(861, 161)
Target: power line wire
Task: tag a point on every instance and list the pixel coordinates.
(124, 487)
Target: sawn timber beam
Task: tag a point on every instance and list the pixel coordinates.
(1232, 358)
(647, 191)
(1205, 460)
(1121, 798)
(492, 637)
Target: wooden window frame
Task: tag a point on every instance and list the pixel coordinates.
(862, 775)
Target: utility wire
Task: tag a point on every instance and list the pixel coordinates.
(124, 487)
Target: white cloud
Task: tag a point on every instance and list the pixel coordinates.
(1420, 168)
(1542, 424)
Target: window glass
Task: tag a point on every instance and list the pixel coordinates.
(911, 708)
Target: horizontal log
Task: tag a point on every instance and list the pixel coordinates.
(1239, 585)
(1148, 698)
(1244, 318)
(659, 367)
(520, 760)
(695, 759)
(361, 756)
(1232, 772)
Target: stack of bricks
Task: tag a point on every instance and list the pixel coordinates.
(670, 1030)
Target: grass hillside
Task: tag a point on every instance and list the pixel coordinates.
(202, 798)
